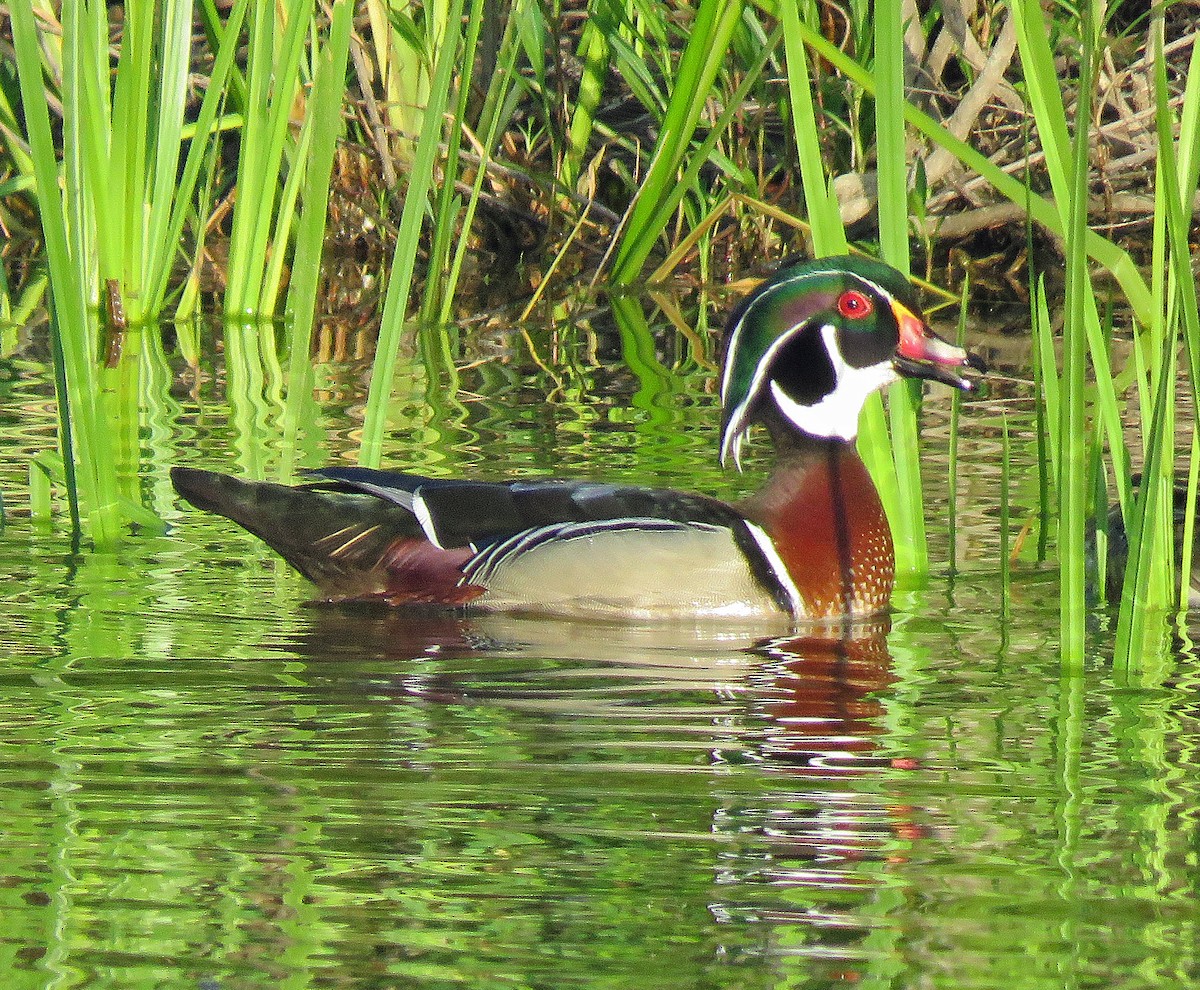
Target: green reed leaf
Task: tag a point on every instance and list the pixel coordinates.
(702, 59)
(1115, 259)
(88, 466)
(1072, 486)
(904, 398)
(416, 201)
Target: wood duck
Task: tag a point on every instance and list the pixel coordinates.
(803, 351)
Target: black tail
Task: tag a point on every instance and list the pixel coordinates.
(333, 537)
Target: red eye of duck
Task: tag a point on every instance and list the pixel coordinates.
(854, 305)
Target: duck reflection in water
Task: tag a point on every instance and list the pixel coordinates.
(764, 763)
(809, 709)
(822, 704)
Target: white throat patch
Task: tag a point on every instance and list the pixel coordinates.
(836, 415)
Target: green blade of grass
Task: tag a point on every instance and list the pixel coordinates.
(703, 153)
(1113, 258)
(93, 484)
(1151, 551)
(1073, 481)
(1063, 164)
(824, 217)
(955, 417)
(416, 201)
(889, 134)
(88, 172)
(325, 122)
(904, 398)
(495, 112)
(1188, 546)
(449, 202)
(273, 77)
(274, 259)
(594, 51)
(1141, 594)
(127, 140)
(253, 166)
(702, 59)
(198, 136)
(166, 194)
(1188, 171)
(1005, 536)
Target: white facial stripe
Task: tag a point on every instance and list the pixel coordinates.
(836, 415)
(733, 446)
(737, 422)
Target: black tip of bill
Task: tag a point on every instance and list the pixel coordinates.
(944, 372)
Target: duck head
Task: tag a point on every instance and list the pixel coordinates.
(806, 348)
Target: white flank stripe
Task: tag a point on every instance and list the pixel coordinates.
(777, 566)
(483, 567)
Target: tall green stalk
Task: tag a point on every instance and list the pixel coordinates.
(262, 215)
(594, 48)
(1149, 574)
(201, 147)
(1073, 477)
(1005, 537)
(448, 201)
(497, 111)
(416, 202)
(1181, 193)
(124, 136)
(130, 169)
(705, 152)
(904, 398)
(1043, 210)
(90, 472)
(325, 123)
(955, 417)
(824, 218)
(702, 59)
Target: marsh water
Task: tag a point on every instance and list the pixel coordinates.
(208, 783)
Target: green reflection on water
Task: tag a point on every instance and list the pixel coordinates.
(208, 784)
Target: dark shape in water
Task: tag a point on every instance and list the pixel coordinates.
(1117, 556)
(803, 352)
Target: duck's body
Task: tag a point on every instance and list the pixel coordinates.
(575, 548)
(803, 353)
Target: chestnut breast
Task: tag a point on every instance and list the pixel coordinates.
(825, 519)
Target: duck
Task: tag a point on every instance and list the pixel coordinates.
(1117, 548)
(802, 353)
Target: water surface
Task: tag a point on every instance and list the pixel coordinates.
(208, 783)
